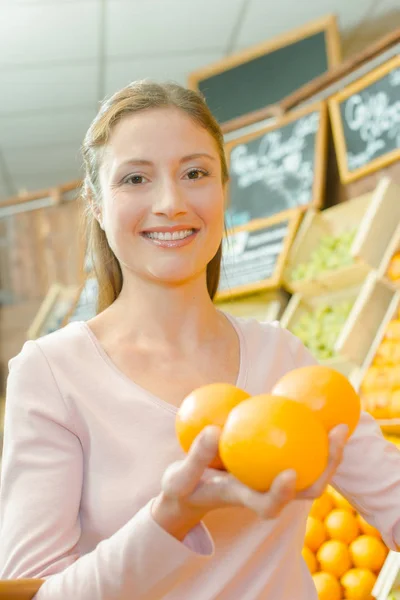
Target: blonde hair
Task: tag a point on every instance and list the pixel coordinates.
(136, 97)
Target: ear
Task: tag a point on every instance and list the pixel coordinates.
(98, 215)
(94, 206)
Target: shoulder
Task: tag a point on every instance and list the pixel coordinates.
(54, 349)
(270, 338)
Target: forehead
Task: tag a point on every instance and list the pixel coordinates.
(158, 132)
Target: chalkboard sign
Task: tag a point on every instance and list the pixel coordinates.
(366, 122)
(253, 256)
(265, 74)
(278, 168)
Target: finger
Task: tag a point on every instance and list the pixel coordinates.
(221, 489)
(337, 440)
(281, 492)
(182, 477)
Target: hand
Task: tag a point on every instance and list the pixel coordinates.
(190, 489)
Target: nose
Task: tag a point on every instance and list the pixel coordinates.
(170, 200)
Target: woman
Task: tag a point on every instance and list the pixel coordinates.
(96, 496)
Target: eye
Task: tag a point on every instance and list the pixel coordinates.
(135, 179)
(197, 173)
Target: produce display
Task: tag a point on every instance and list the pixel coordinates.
(263, 435)
(393, 271)
(343, 552)
(332, 252)
(380, 388)
(319, 329)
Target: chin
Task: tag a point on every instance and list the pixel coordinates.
(176, 274)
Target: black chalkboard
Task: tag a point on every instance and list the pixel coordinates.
(277, 169)
(366, 122)
(266, 79)
(250, 257)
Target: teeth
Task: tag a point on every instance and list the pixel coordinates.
(176, 235)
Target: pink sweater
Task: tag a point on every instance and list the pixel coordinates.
(84, 452)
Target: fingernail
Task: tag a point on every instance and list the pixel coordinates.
(211, 434)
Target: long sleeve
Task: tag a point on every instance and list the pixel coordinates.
(369, 474)
(40, 494)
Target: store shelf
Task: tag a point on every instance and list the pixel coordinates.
(375, 216)
(372, 305)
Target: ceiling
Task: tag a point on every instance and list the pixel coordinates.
(59, 58)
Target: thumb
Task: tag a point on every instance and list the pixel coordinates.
(182, 478)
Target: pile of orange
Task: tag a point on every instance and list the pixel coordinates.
(380, 389)
(263, 435)
(343, 552)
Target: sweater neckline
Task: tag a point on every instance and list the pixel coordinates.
(241, 379)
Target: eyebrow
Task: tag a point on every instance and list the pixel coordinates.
(189, 157)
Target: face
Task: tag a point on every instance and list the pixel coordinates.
(163, 196)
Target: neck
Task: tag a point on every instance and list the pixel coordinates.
(180, 316)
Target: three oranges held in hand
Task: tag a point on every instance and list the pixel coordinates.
(266, 434)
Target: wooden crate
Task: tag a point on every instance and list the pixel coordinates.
(372, 301)
(267, 306)
(388, 426)
(376, 215)
(391, 250)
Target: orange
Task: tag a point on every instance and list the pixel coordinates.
(315, 534)
(367, 528)
(266, 435)
(322, 506)
(368, 552)
(326, 391)
(334, 557)
(309, 559)
(339, 501)
(207, 405)
(342, 525)
(327, 586)
(358, 584)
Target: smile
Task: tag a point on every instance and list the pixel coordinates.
(170, 239)
(167, 235)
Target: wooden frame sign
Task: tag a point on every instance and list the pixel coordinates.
(278, 168)
(366, 122)
(53, 310)
(253, 256)
(237, 88)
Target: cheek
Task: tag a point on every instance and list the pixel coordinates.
(122, 214)
(213, 210)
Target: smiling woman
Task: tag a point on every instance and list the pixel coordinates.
(98, 501)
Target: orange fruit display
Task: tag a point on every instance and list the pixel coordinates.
(344, 546)
(334, 557)
(207, 405)
(322, 506)
(342, 525)
(315, 533)
(358, 584)
(327, 586)
(326, 391)
(266, 435)
(309, 559)
(339, 501)
(366, 528)
(367, 552)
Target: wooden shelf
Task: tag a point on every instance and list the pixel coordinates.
(375, 216)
